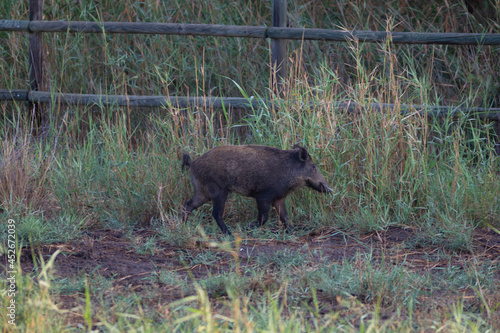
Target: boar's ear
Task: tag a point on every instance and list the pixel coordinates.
(302, 153)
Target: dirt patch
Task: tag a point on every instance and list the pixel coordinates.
(110, 254)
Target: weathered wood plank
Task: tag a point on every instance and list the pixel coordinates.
(13, 25)
(278, 46)
(35, 64)
(150, 28)
(139, 101)
(14, 94)
(237, 102)
(381, 36)
(254, 32)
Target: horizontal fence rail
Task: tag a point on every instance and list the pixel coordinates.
(236, 102)
(252, 32)
(276, 32)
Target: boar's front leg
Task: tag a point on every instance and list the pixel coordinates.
(280, 207)
(263, 205)
(218, 210)
(263, 208)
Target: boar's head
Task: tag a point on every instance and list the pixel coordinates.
(309, 172)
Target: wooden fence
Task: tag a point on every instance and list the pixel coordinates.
(277, 32)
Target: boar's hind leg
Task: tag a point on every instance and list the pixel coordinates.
(263, 206)
(280, 207)
(218, 210)
(196, 201)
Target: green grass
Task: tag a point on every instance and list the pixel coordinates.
(118, 167)
(363, 293)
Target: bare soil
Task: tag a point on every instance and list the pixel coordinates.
(110, 254)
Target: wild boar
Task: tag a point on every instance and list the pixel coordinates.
(265, 173)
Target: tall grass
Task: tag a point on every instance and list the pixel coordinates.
(120, 167)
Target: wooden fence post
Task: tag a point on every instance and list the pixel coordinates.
(35, 66)
(278, 46)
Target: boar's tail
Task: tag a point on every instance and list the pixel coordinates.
(186, 162)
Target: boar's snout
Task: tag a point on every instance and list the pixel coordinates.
(325, 188)
(320, 185)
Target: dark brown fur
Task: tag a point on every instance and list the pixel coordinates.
(265, 173)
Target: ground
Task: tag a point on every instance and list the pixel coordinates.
(112, 255)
